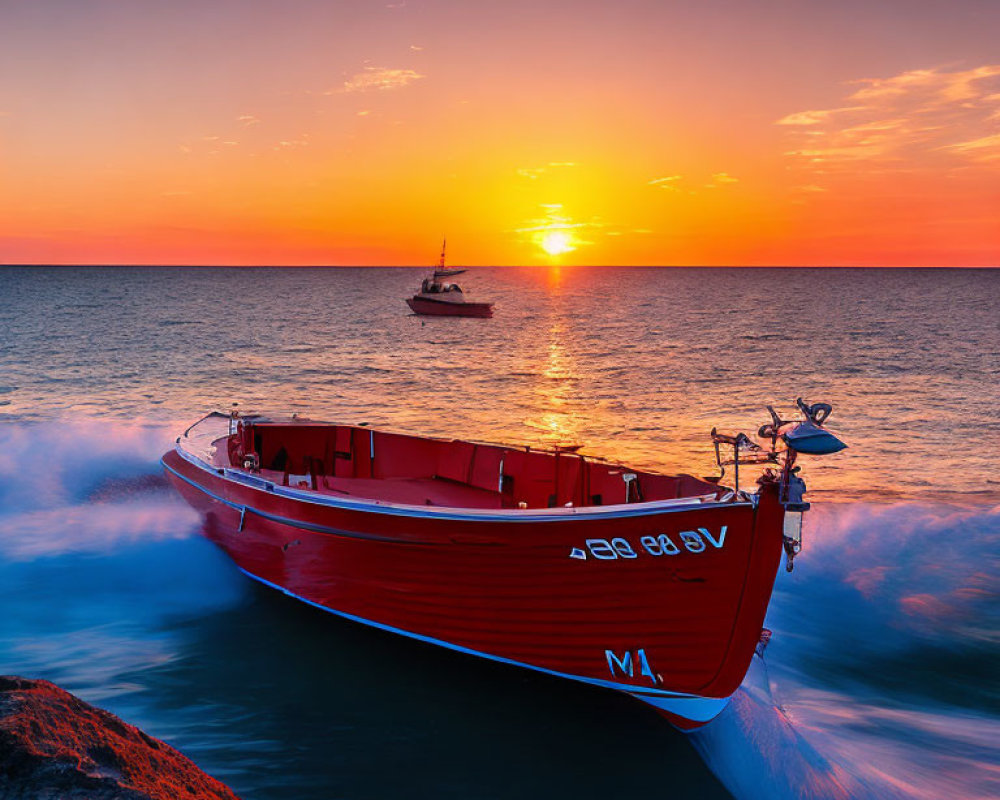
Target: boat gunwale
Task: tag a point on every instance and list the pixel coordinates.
(244, 479)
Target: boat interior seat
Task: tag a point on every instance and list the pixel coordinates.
(378, 465)
(413, 491)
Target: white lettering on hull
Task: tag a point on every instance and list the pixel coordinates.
(699, 541)
(625, 665)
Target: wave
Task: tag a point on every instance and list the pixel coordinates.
(880, 678)
(879, 681)
(95, 553)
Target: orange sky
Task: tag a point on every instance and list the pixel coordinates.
(634, 132)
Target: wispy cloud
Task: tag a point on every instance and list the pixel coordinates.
(380, 79)
(293, 144)
(721, 179)
(248, 120)
(814, 117)
(533, 173)
(678, 183)
(668, 183)
(985, 149)
(904, 121)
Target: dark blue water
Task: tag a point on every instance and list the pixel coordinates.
(881, 678)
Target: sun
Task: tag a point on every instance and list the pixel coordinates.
(557, 242)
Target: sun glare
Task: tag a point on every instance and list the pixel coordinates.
(557, 242)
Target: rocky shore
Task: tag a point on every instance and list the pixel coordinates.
(54, 746)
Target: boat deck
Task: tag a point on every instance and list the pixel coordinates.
(428, 491)
(381, 466)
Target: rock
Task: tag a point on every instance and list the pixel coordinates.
(54, 746)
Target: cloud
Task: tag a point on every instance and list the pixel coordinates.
(940, 87)
(293, 144)
(721, 179)
(381, 79)
(248, 120)
(907, 121)
(675, 183)
(667, 183)
(985, 149)
(533, 173)
(813, 117)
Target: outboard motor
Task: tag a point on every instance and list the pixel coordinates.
(808, 437)
(794, 495)
(787, 440)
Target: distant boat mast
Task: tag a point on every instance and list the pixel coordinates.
(440, 271)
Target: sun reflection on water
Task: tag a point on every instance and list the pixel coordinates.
(560, 423)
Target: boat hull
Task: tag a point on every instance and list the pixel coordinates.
(443, 308)
(663, 602)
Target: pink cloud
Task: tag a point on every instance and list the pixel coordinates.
(908, 120)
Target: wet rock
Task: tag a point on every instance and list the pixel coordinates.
(54, 746)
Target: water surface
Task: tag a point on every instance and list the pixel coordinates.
(880, 680)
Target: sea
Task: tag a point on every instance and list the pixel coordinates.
(881, 679)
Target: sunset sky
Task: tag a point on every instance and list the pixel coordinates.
(528, 131)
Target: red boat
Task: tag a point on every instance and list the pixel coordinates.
(446, 300)
(439, 299)
(651, 584)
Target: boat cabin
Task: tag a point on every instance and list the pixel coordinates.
(357, 461)
(432, 286)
